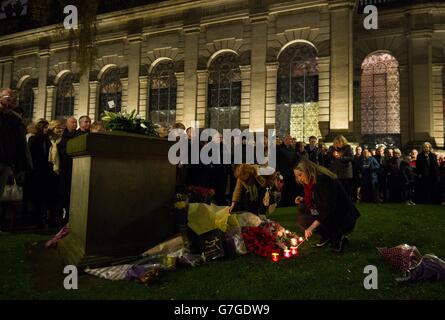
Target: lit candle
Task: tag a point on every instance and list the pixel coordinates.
(275, 256)
(287, 253)
(293, 242)
(300, 239)
(294, 251)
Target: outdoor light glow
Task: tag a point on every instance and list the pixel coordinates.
(287, 253)
(275, 256)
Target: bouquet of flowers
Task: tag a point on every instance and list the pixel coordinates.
(129, 122)
(259, 241)
(200, 194)
(281, 235)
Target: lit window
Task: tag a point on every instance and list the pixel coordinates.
(65, 96)
(297, 92)
(163, 94)
(110, 91)
(380, 99)
(224, 92)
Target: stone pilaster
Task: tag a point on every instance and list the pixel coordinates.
(257, 113)
(191, 41)
(43, 75)
(134, 60)
(341, 65)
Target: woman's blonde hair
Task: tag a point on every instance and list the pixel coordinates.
(53, 124)
(245, 171)
(340, 141)
(312, 170)
(427, 144)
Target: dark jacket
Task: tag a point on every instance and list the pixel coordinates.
(427, 167)
(66, 162)
(342, 166)
(13, 147)
(408, 174)
(336, 211)
(286, 159)
(314, 155)
(369, 169)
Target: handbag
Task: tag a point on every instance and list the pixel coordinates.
(12, 193)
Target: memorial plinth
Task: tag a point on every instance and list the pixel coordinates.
(121, 192)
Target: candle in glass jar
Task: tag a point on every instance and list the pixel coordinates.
(275, 256)
(294, 251)
(293, 242)
(287, 253)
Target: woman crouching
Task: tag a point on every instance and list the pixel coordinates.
(325, 208)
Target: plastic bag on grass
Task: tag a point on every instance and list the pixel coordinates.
(203, 218)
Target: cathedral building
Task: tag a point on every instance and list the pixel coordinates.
(307, 67)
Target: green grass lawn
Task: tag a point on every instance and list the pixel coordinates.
(315, 274)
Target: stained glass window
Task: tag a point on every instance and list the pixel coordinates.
(163, 94)
(297, 92)
(65, 96)
(26, 98)
(110, 91)
(380, 98)
(224, 92)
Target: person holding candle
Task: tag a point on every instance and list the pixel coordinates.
(251, 190)
(325, 208)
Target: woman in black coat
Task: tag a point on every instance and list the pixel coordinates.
(427, 171)
(325, 208)
(40, 179)
(341, 157)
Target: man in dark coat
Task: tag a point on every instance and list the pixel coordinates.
(84, 125)
(427, 170)
(313, 151)
(14, 157)
(66, 165)
(286, 159)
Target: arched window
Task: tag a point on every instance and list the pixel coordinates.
(380, 99)
(163, 94)
(110, 91)
(26, 98)
(224, 92)
(65, 96)
(297, 92)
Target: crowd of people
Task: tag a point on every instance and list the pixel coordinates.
(36, 155)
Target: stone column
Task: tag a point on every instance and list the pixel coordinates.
(323, 95)
(84, 96)
(124, 101)
(201, 100)
(258, 71)
(76, 99)
(438, 106)
(6, 75)
(179, 96)
(50, 111)
(34, 109)
(93, 100)
(341, 80)
(43, 75)
(191, 42)
(143, 97)
(245, 96)
(134, 60)
(420, 83)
